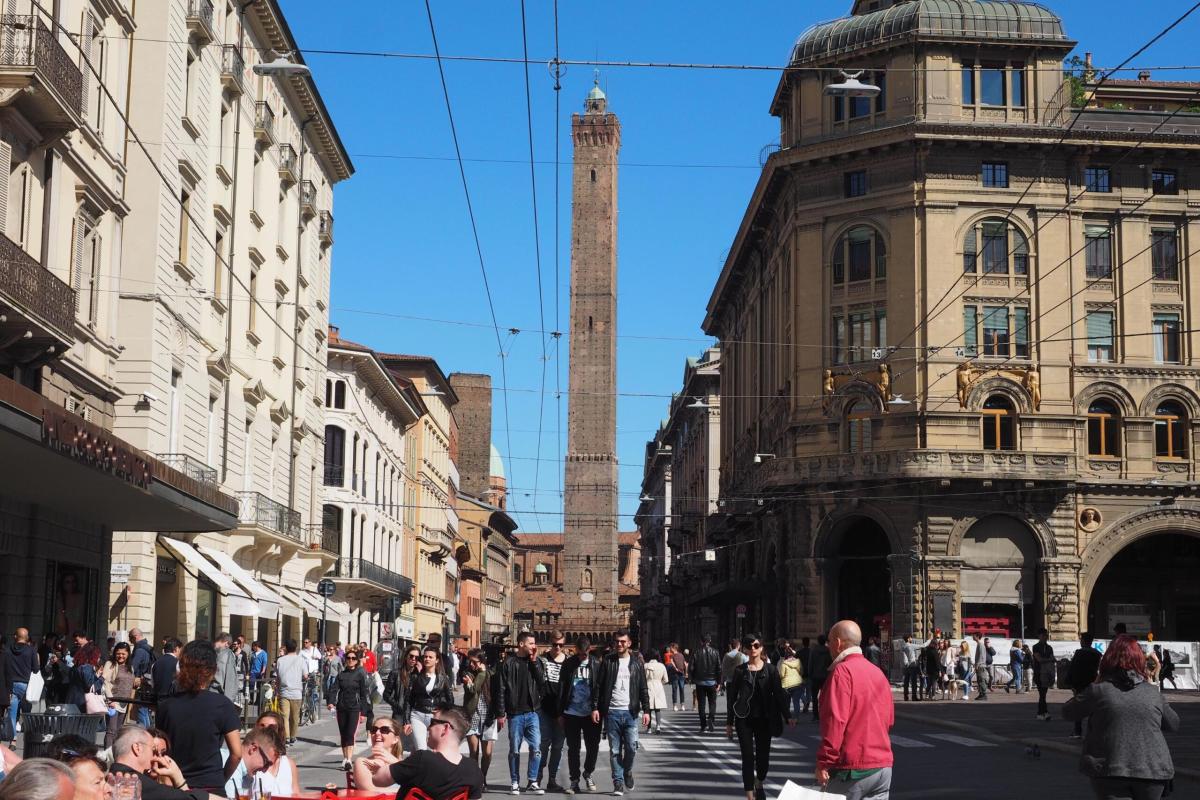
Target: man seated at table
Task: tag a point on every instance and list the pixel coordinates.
(439, 773)
(133, 752)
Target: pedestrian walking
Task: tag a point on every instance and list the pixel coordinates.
(428, 690)
(226, 681)
(20, 660)
(706, 674)
(1016, 665)
(656, 679)
(804, 653)
(550, 714)
(791, 677)
(621, 696)
(1082, 673)
(258, 670)
(331, 665)
(980, 663)
(1166, 668)
(732, 659)
(348, 697)
(292, 670)
(857, 713)
(873, 653)
(519, 696)
(118, 685)
(85, 678)
(1125, 753)
(1027, 664)
(990, 657)
(756, 708)
(818, 667)
(679, 679)
(964, 667)
(578, 686)
(1153, 665)
(1045, 669)
(931, 655)
(911, 655)
(479, 686)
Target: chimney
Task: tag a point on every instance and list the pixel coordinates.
(334, 332)
(1144, 75)
(1089, 72)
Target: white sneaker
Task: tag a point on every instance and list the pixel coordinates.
(515, 789)
(534, 788)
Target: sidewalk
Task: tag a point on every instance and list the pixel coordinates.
(1009, 718)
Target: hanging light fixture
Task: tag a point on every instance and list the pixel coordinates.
(851, 86)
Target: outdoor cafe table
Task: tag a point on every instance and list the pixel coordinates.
(341, 794)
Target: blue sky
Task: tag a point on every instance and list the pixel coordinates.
(690, 155)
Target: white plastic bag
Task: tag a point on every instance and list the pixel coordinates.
(37, 685)
(794, 791)
(376, 687)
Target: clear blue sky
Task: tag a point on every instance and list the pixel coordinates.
(691, 145)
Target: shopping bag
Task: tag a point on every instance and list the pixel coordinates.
(37, 685)
(376, 687)
(794, 791)
(94, 703)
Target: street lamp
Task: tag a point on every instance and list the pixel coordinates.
(761, 457)
(282, 67)
(851, 86)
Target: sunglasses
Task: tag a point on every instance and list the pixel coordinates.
(756, 646)
(381, 729)
(560, 644)
(352, 658)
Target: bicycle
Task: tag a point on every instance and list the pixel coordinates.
(310, 712)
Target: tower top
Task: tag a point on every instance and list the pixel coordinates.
(597, 101)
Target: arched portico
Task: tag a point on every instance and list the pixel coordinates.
(856, 576)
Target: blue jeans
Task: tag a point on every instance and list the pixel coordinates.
(553, 734)
(678, 689)
(14, 703)
(797, 695)
(144, 717)
(524, 727)
(1017, 678)
(622, 733)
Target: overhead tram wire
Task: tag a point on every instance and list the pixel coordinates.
(929, 316)
(537, 243)
(557, 334)
(462, 172)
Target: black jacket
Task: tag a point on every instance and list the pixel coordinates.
(153, 790)
(425, 700)
(706, 665)
(1084, 666)
(518, 675)
(20, 660)
(740, 691)
(395, 693)
(639, 692)
(349, 691)
(819, 662)
(566, 679)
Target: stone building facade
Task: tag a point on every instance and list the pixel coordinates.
(959, 381)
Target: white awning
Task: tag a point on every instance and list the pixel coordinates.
(293, 605)
(238, 602)
(268, 601)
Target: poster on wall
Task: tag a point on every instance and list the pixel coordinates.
(71, 600)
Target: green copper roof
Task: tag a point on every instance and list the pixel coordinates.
(973, 20)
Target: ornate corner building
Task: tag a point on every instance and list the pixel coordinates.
(958, 378)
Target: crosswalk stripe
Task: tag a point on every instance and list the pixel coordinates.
(904, 741)
(966, 741)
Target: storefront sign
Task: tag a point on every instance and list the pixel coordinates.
(119, 572)
(166, 569)
(405, 628)
(93, 446)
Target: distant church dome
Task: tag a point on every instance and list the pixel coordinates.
(540, 569)
(496, 466)
(596, 93)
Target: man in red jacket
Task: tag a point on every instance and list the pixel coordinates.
(855, 756)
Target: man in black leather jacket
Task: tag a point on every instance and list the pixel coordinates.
(621, 693)
(521, 687)
(577, 687)
(706, 672)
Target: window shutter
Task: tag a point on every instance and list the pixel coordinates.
(77, 229)
(970, 250)
(970, 330)
(87, 34)
(5, 172)
(1021, 323)
(1100, 328)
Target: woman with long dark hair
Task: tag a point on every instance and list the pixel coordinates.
(349, 697)
(1124, 751)
(757, 709)
(85, 676)
(198, 721)
(118, 683)
(428, 690)
(395, 688)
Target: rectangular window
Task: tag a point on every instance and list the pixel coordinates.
(856, 183)
(995, 248)
(1100, 336)
(1018, 83)
(173, 412)
(970, 331)
(968, 83)
(860, 254)
(839, 108)
(1167, 338)
(212, 431)
(1165, 181)
(1097, 179)
(995, 331)
(991, 84)
(1098, 251)
(970, 250)
(185, 225)
(995, 174)
(218, 263)
(860, 107)
(862, 336)
(1021, 331)
(838, 340)
(881, 328)
(880, 80)
(253, 291)
(1164, 255)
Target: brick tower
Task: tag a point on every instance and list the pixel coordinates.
(589, 568)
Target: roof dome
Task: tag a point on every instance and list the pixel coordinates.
(540, 569)
(596, 93)
(496, 465)
(993, 20)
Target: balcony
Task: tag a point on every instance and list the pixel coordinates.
(287, 163)
(194, 468)
(327, 541)
(264, 123)
(38, 309)
(38, 74)
(265, 516)
(233, 69)
(308, 199)
(325, 228)
(438, 543)
(200, 20)
(366, 579)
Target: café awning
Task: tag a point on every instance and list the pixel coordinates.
(236, 598)
(268, 601)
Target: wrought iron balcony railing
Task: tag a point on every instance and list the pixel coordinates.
(28, 47)
(35, 291)
(319, 536)
(200, 20)
(325, 228)
(364, 570)
(194, 468)
(264, 122)
(260, 511)
(233, 68)
(308, 198)
(287, 163)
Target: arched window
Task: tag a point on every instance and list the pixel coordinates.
(328, 393)
(863, 250)
(858, 427)
(1170, 430)
(587, 579)
(335, 456)
(339, 394)
(999, 244)
(1104, 429)
(999, 424)
(517, 574)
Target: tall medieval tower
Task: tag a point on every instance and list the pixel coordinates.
(589, 569)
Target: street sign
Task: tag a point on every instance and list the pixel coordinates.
(120, 572)
(326, 588)
(741, 611)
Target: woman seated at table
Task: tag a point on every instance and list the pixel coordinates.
(386, 748)
(282, 777)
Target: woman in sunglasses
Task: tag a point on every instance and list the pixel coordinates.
(281, 777)
(428, 690)
(386, 748)
(349, 697)
(395, 688)
(757, 709)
